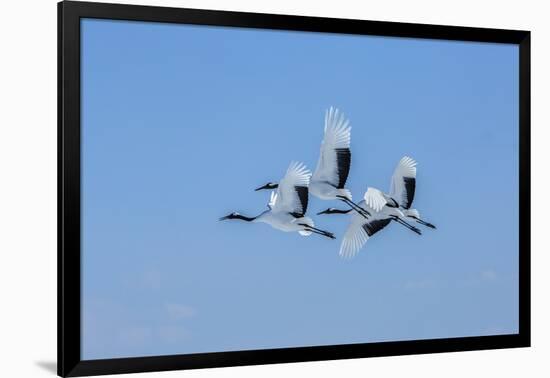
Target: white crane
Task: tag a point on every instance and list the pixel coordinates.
(361, 229)
(288, 205)
(329, 179)
(402, 189)
(384, 208)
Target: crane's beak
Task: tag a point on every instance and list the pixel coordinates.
(269, 185)
(224, 218)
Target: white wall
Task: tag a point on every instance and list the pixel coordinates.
(28, 186)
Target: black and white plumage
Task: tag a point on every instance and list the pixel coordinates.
(292, 193)
(403, 182)
(402, 190)
(288, 205)
(383, 204)
(330, 176)
(329, 179)
(360, 229)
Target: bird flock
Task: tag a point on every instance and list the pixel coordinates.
(287, 206)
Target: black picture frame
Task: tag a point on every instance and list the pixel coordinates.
(69, 262)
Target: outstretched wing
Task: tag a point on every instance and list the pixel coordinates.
(292, 193)
(360, 230)
(335, 156)
(403, 182)
(375, 199)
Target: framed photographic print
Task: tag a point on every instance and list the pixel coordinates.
(239, 188)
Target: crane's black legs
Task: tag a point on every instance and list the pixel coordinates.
(355, 206)
(324, 233)
(412, 228)
(327, 233)
(318, 231)
(422, 222)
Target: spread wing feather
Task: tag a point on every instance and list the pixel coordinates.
(272, 200)
(335, 155)
(360, 230)
(375, 199)
(292, 193)
(403, 182)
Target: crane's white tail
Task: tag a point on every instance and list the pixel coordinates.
(346, 193)
(309, 222)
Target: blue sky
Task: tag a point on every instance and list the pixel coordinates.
(181, 123)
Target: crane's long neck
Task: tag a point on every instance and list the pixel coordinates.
(262, 217)
(338, 211)
(245, 218)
